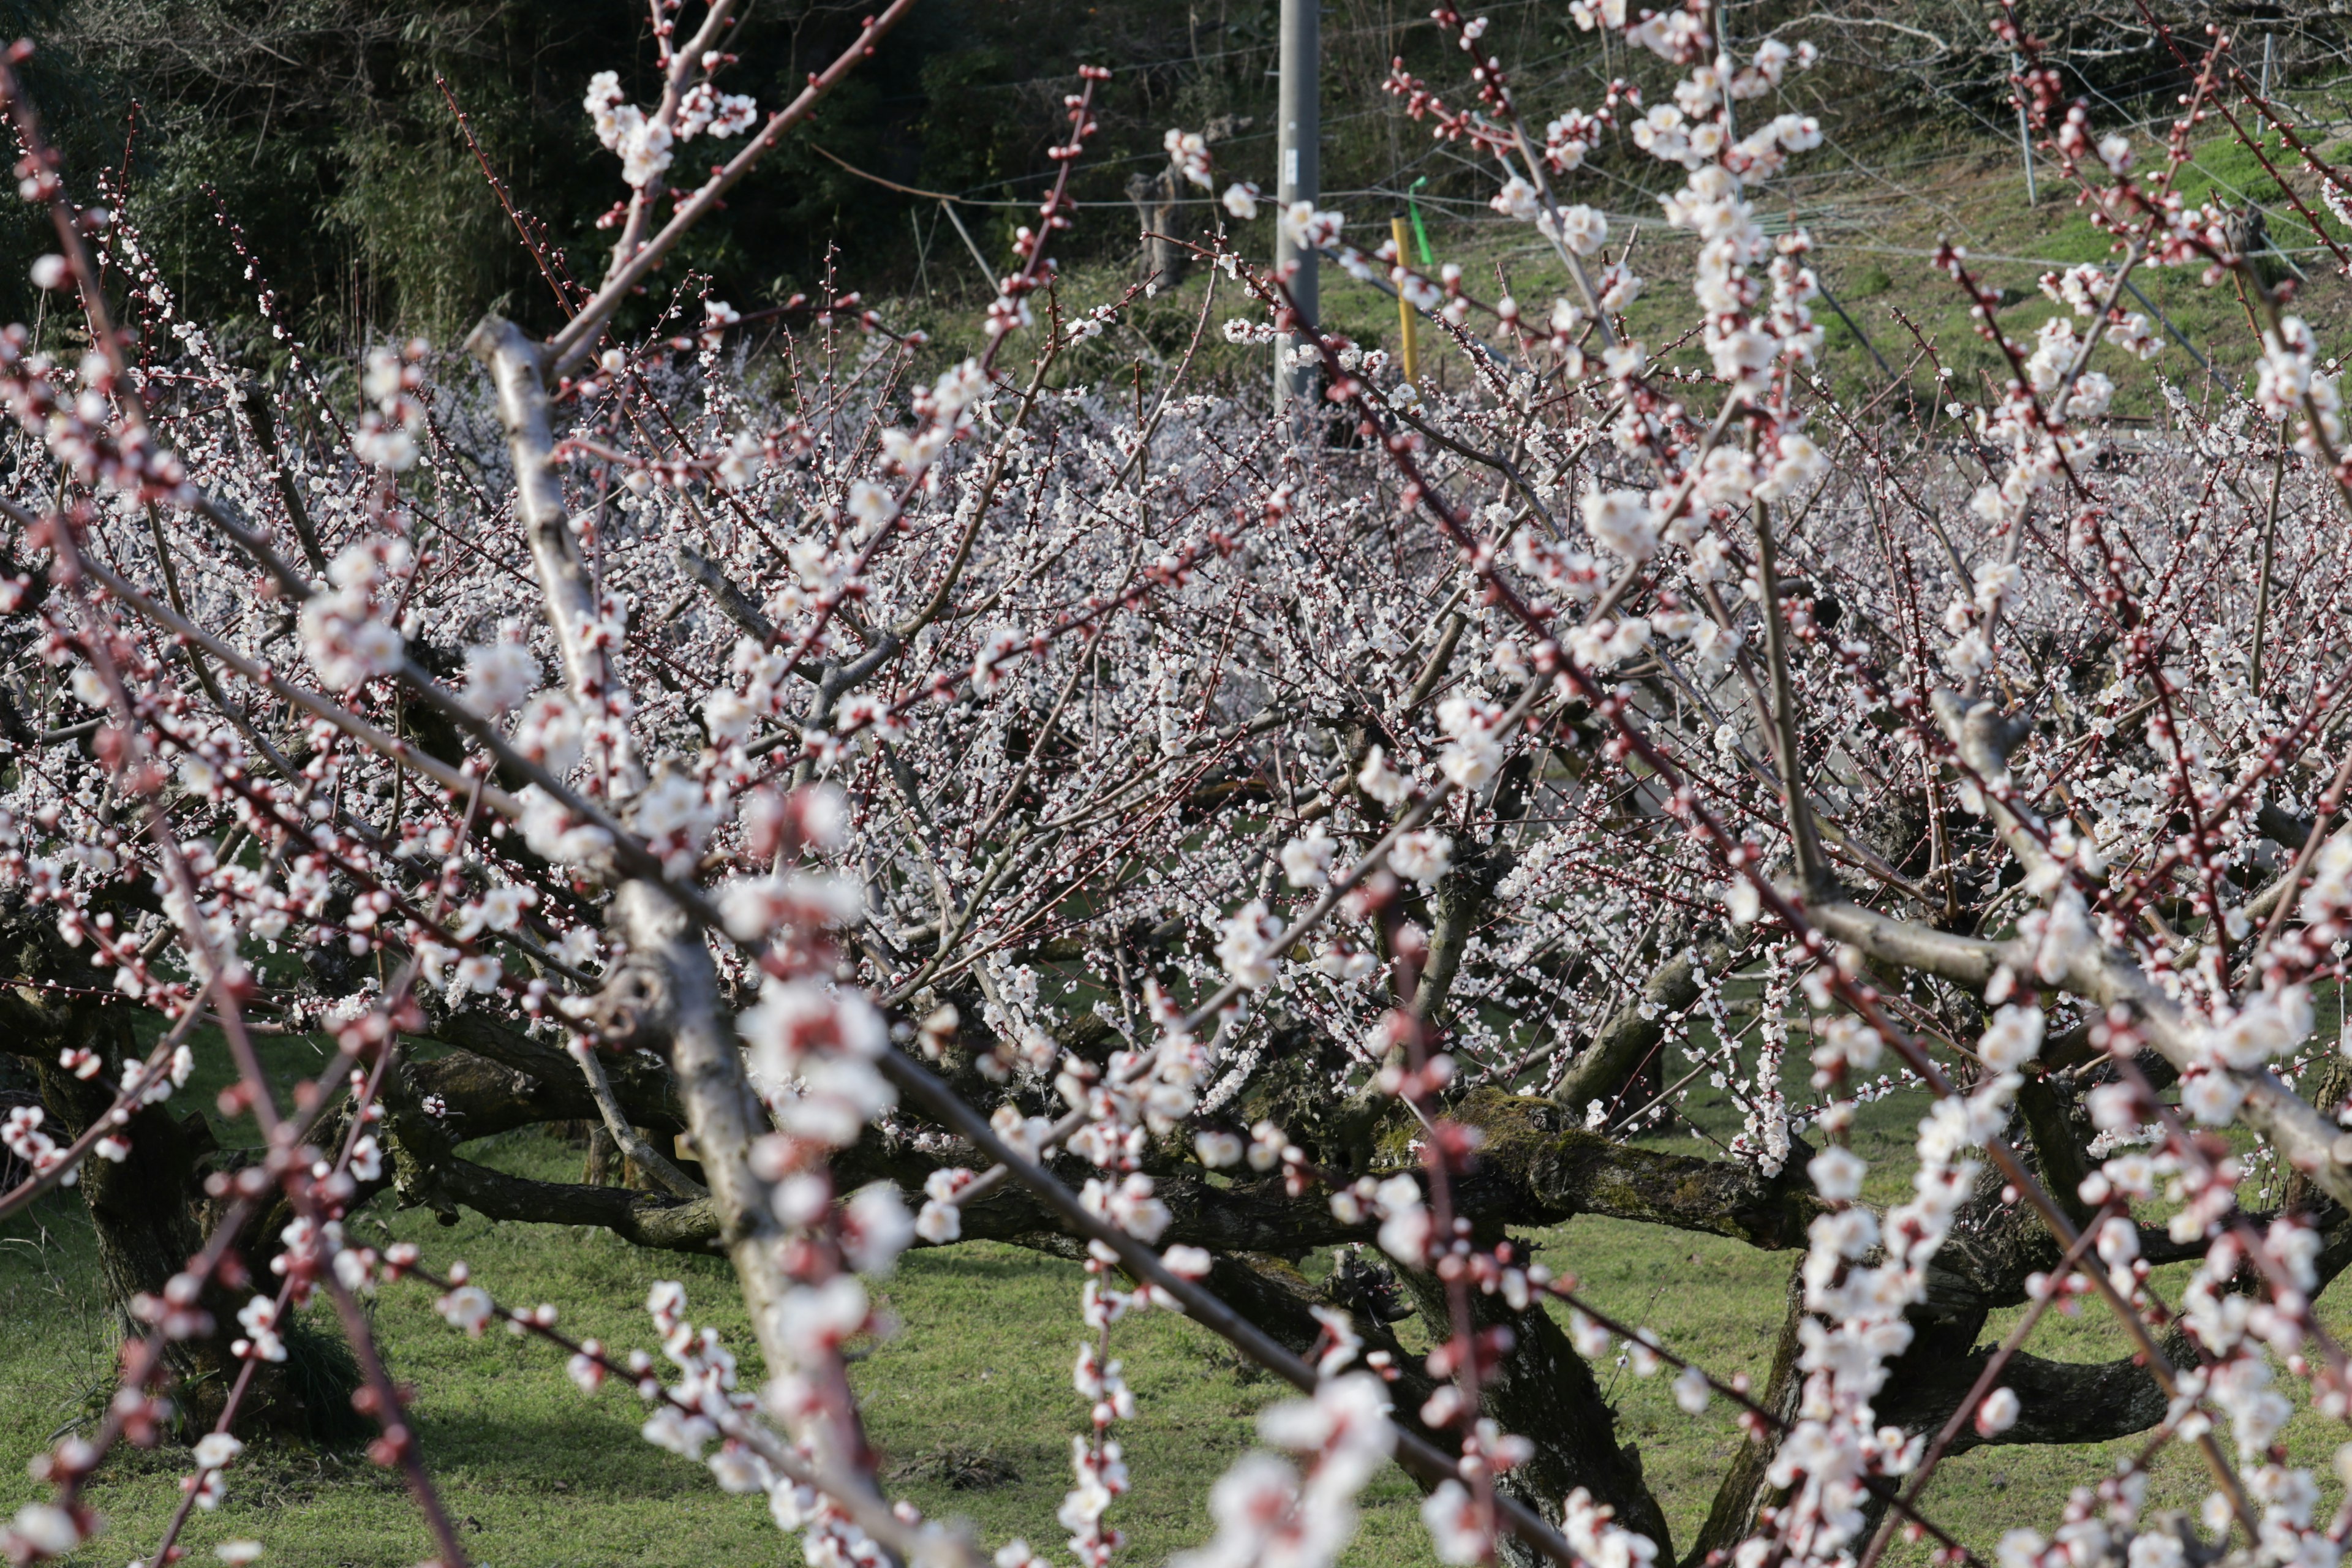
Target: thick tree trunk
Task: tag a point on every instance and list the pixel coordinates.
(604, 1154)
(149, 1212)
(1157, 214)
(1544, 1391)
(1744, 1494)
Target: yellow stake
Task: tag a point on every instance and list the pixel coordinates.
(1405, 310)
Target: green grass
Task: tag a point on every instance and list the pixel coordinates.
(1873, 244)
(539, 1474)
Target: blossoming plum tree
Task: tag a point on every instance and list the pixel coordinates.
(965, 805)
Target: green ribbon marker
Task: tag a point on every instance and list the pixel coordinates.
(1420, 235)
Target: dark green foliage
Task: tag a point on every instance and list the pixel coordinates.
(321, 128)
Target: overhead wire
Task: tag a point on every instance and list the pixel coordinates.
(1826, 220)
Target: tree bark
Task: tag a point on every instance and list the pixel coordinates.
(1743, 1495)
(1530, 1171)
(1543, 1390)
(149, 1212)
(1634, 1031)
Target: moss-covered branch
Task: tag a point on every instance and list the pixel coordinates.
(1628, 1034)
(1534, 1170)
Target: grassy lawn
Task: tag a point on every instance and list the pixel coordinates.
(1876, 223)
(973, 1387)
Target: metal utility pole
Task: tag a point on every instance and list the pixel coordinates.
(1722, 61)
(2024, 135)
(1299, 180)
